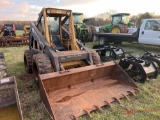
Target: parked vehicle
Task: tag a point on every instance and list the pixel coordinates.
(83, 32)
(26, 30)
(71, 78)
(119, 24)
(145, 34)
(9, 37)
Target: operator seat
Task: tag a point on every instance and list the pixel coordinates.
(56, 40)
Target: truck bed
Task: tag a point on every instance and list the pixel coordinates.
(112, 37)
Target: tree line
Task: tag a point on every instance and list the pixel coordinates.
(98, 20)
(105, 18)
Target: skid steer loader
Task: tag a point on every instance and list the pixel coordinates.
(71, 78)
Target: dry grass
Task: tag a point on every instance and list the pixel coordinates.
(145, 106)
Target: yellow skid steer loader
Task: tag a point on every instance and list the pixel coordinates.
(71, 78)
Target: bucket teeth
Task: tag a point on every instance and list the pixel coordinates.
(69, 86)
(117, 100)
(88, 113)
(92, 80)
(131, 93)
(73, 117)
(99, 108)
(125, 96)
(138, 90)
(108, 104)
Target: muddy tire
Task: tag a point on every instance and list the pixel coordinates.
(89, 33)
(93, 31)
(3, 71)
(41, 65)
(95, 57)
(119, 28)
(28, 54)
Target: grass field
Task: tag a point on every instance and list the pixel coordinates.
(144, 106)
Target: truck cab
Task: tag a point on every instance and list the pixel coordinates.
(149, 32)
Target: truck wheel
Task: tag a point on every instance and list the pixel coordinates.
(95, 57)
(28, 54)
(103, 41)
(119, 28)
(41, 65)
(3, 71)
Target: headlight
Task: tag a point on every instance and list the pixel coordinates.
(48, 11)
(68, 13)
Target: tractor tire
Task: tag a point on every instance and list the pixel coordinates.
(41, 65)
(3, 71)
(95, 57)
(89, 33)
(103, 41)
(93, 31)
(119, 28)
(28, 54)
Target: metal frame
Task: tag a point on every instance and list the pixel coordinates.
(49, 48)
(147, 69)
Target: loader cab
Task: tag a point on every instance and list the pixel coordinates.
(50, 24)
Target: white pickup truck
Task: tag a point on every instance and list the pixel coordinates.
(148, 33)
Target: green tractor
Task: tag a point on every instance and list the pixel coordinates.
(83, 32)
(120, 23)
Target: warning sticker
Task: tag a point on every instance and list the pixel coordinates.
(4, 80)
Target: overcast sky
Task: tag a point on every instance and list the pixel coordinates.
(29, 9)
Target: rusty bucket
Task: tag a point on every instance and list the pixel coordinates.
(70, 94)
(10, 107)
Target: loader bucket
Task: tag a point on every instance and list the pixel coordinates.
(70, 94)
(10, 107)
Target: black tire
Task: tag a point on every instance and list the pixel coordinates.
(3, 71)
(103, 41)
(95, 57)
(28, 54)
(93, 31)
(41, 65)
(89, 33)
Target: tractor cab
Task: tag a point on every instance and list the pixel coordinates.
(81, 30)
(120, 18)
(78, 18)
